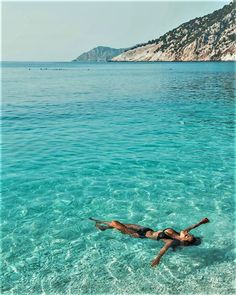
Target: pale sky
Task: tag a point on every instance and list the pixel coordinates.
(60, 31)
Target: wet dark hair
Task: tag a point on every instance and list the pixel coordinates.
(195, 241)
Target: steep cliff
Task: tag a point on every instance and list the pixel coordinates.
(211, 37)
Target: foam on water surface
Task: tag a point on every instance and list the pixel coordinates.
(139, 143)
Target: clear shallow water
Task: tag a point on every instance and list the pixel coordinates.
(140, 143)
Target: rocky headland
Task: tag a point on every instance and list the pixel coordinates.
(207, 38)
(100, 53)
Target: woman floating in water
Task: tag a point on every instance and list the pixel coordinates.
(169, 236)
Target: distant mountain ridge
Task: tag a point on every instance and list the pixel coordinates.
(100, 53)
(211, 37)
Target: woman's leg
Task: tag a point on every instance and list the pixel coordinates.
(124, 229)
(99, 222)
(116, 225)
(133, 226)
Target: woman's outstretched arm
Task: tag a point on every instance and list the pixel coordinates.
(163, 250)
(204, 220)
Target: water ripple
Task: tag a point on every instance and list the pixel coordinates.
(132, 142)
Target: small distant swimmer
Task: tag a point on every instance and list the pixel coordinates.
(169, 236)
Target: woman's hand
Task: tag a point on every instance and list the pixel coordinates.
(155, 262)
(205, 220)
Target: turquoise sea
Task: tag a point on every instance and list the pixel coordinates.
(146, 143)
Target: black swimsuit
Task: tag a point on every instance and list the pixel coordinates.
(163, 235)
(142, 231)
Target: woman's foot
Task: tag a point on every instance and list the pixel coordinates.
(99, 222)
(102, 227)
